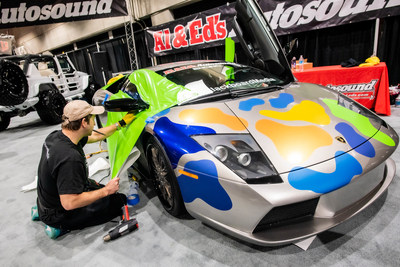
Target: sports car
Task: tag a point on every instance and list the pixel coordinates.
(248, 150)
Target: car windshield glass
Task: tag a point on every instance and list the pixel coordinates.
(211, 78)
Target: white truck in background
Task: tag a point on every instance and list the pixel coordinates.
(42, 83)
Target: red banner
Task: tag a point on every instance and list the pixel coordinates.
(204, 29)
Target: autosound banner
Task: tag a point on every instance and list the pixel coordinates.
(19, 13)
(294, 16)
(204, 29)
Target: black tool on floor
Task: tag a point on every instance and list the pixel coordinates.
(124, 227)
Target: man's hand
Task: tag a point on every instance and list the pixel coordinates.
(127, 119)
(74, 201)
(112, 186)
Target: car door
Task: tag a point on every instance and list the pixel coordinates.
(259, 41)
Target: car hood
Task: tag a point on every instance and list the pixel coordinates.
(303, 125)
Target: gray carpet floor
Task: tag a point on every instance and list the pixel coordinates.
(371, 238)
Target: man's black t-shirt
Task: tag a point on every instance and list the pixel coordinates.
(62, 170)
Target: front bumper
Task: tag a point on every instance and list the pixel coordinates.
(30, 102)
(332, 209)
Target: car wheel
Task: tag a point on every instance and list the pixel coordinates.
(4, 121)
(50, 106)
(164, 179)
(13, 84)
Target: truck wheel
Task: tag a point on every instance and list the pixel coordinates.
(50, 106)
(4, 121)
(13, 84)
(90, 91)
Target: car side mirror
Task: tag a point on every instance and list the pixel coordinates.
(126, 105)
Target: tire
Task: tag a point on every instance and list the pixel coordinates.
(50, 106)
(4, 121)
(164, 179)
(89, 92)
(14, 87)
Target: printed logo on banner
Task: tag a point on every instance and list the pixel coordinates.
(294, 16)
(23, 13)
(204, 29)
(357, 90)
(194, 33)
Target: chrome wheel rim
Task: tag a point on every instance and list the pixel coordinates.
(161, 176)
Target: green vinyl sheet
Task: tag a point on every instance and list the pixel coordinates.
(156, 90)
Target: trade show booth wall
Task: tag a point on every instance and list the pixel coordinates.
(325, 46)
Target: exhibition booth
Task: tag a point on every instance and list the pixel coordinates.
(221, 152)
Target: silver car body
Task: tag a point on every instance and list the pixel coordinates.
(331, 169)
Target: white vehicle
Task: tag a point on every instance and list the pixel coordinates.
(39, 82)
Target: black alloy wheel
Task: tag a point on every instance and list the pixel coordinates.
(4, 121)
(51, 106)
(14, 87)
(164, 179)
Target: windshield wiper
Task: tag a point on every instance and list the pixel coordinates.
(215, 96)
(242, 92)
(221, 95)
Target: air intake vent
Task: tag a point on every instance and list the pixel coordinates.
(288, 214)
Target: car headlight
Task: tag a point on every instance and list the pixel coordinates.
(242, 155)
(356, 107)
(348, 103)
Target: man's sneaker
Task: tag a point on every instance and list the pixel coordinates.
(52, 232)
(34, 214)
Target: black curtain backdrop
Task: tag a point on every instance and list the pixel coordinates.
(329, 46)
(121, 55)
(116, 55)
(389, 47)
(77, 59)
(82, 61)
(143, 60)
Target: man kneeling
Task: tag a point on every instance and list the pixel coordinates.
(67, 198)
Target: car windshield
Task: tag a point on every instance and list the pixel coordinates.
(65, 66)
(211, 78)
